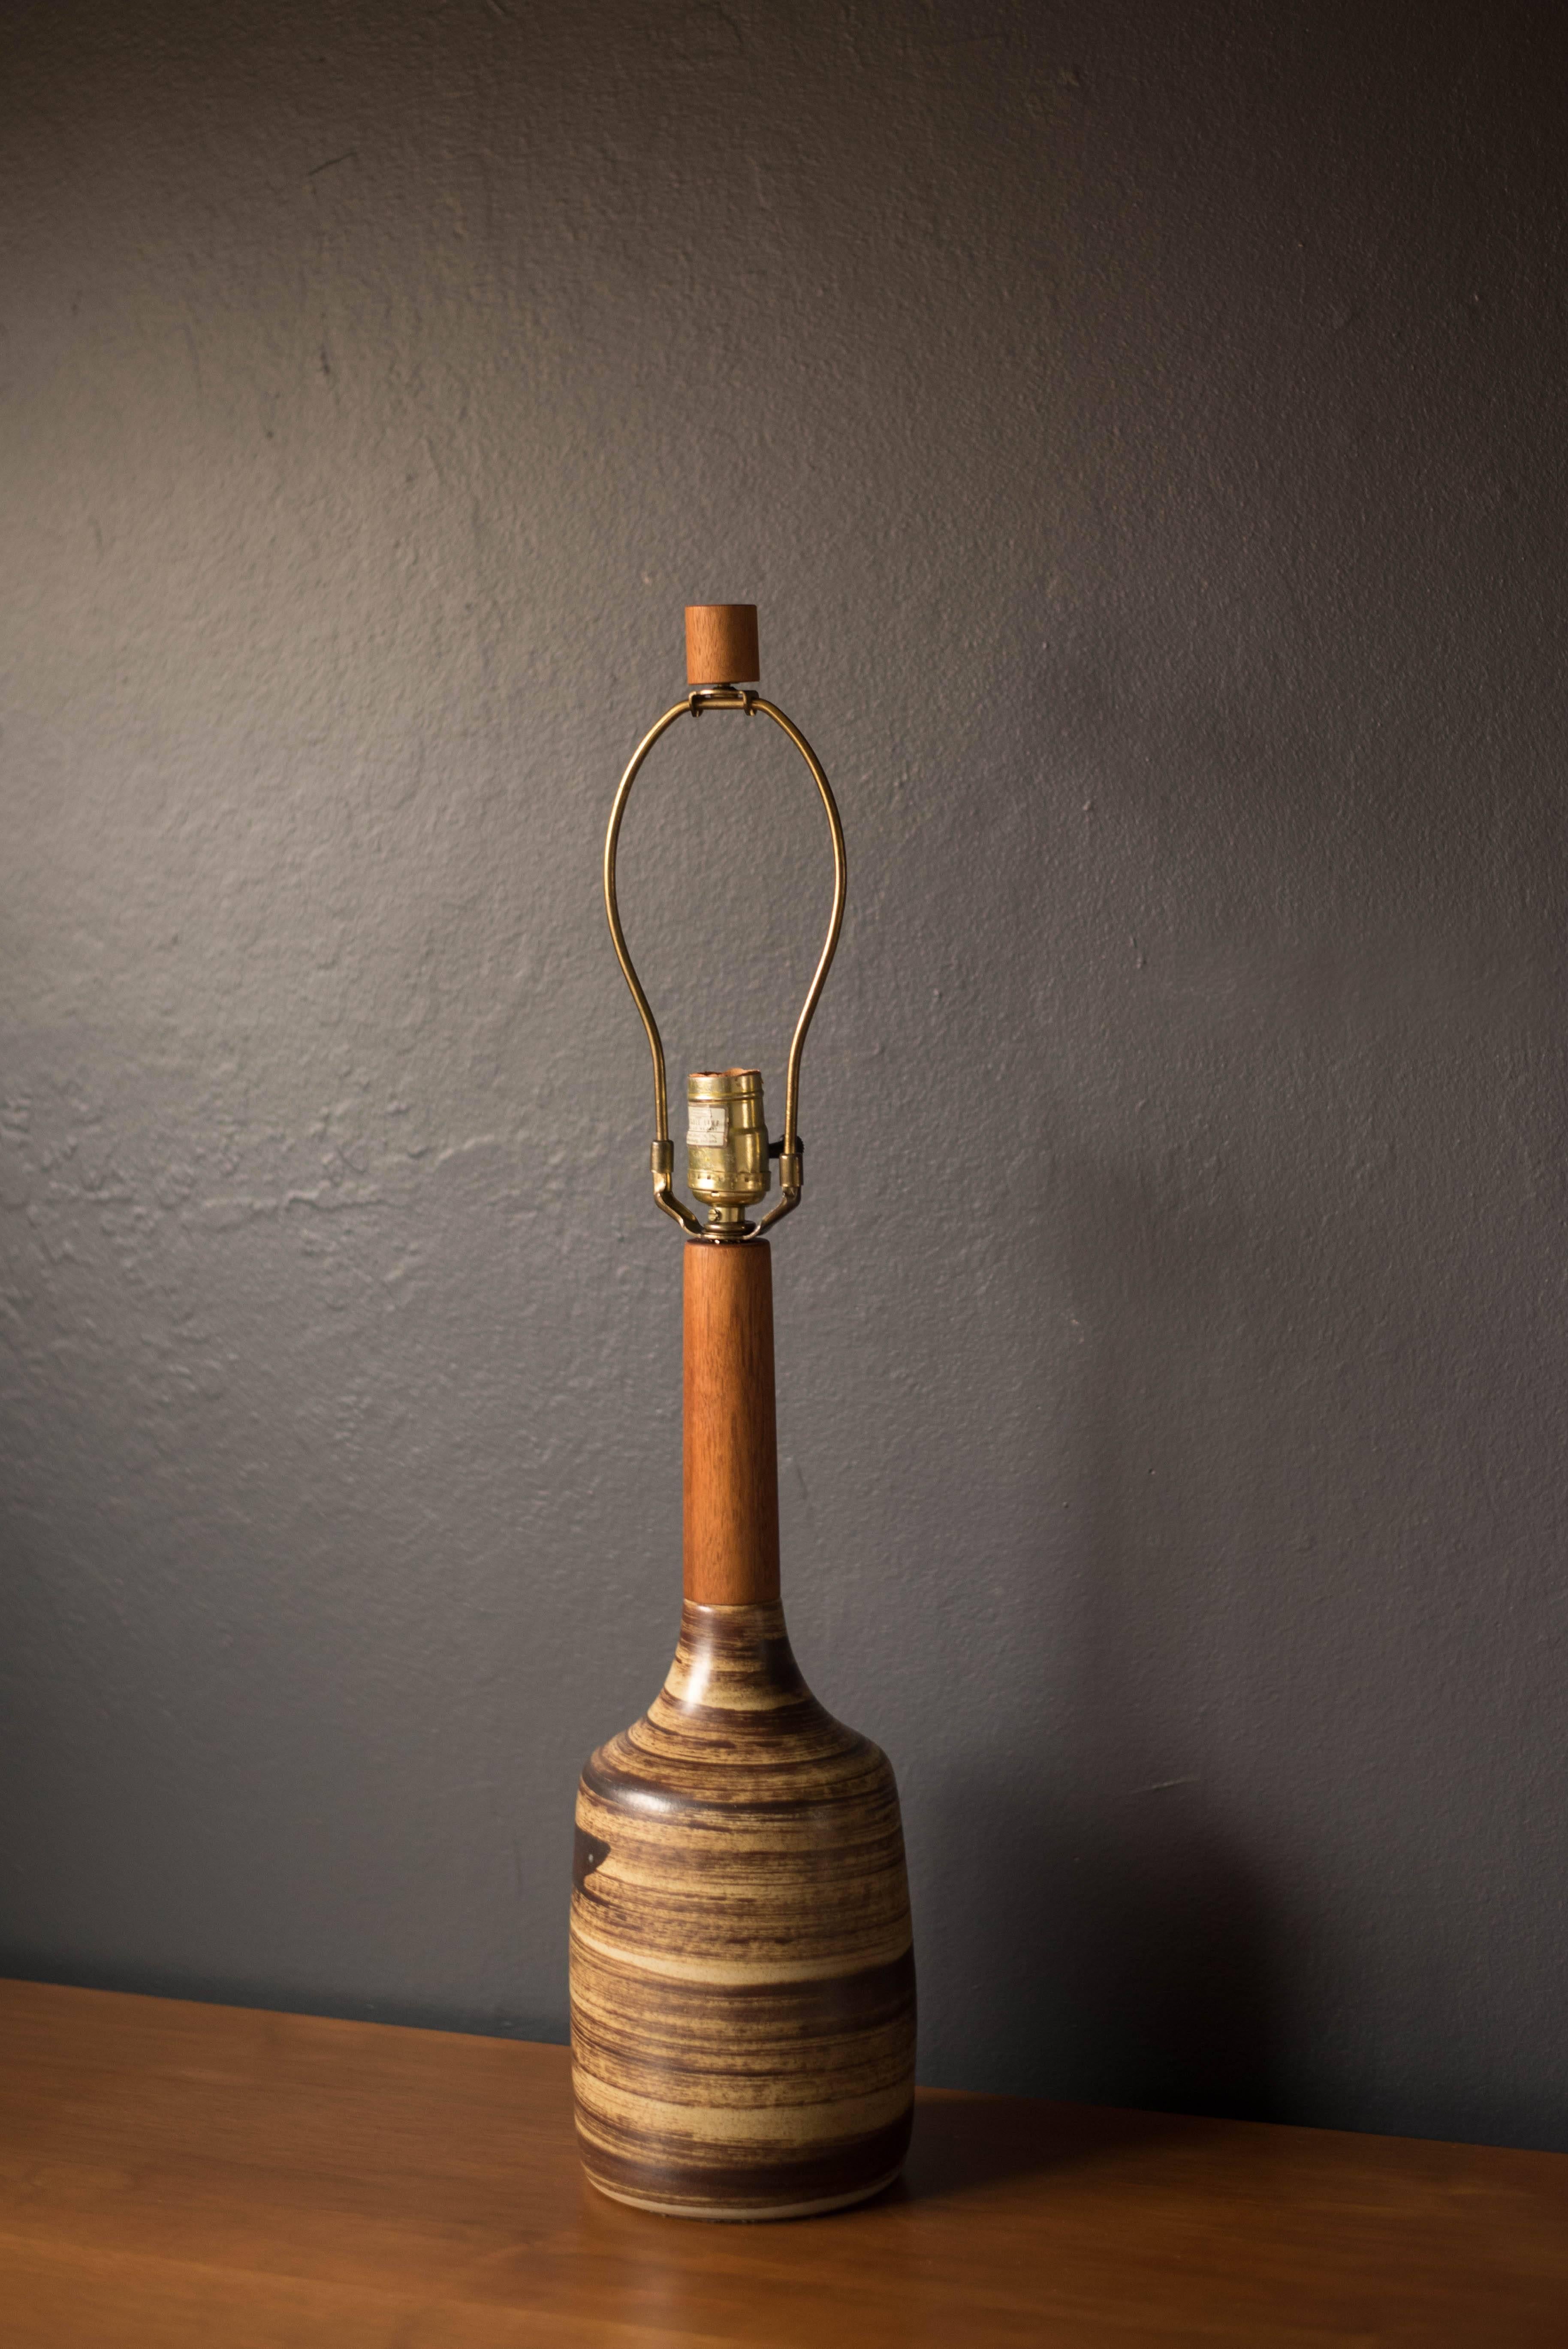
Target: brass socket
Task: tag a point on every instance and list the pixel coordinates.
(726, 1141)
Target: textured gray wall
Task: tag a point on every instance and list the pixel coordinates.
(1142, 430)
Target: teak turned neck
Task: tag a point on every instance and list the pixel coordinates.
(731, 1466)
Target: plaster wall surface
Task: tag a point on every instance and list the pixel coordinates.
(1141, 429)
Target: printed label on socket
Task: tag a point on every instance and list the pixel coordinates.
(707, 1124)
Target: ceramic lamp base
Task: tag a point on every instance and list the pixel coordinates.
(742, 1975)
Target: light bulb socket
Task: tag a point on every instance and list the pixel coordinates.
(726, 1141)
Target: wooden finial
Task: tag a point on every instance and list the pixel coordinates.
(721, 644)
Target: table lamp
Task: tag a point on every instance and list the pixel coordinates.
(742, 1973)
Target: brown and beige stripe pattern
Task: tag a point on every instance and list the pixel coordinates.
(742, 1979)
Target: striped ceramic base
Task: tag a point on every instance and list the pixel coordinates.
(742, 1981)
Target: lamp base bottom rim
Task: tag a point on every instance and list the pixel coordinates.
(728, 2215)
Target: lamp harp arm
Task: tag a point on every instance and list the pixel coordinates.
(790, 1153)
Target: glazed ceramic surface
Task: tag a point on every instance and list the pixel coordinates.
(742, 1977)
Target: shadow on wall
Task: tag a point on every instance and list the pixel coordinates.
(1109, 1940)
(1129, 1960)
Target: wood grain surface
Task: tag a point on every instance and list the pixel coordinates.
(181, 2177)
(721, 644)
(731, 1446)
(742, 1968)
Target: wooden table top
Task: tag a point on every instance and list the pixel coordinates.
(177, 2175)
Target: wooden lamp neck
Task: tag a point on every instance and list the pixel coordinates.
(731, 1443)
